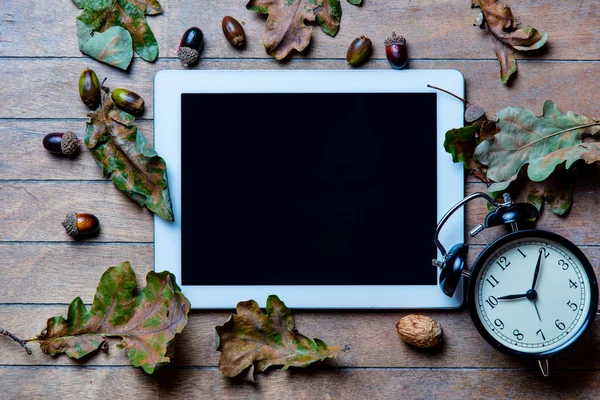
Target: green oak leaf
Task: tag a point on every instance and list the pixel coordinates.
(124, 155)
(113, 46)
(461, 143)
(147, 321)
(100, 15)
(252, 339)
(329, 15)
(285, 29)
(524, 137)
(355, 2)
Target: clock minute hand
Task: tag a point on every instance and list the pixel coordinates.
(537, 270)
(513, 296)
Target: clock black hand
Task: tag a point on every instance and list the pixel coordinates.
(537, 312)
(513, 296)
(537, 270)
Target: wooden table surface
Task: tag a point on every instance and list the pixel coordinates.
(42, 269)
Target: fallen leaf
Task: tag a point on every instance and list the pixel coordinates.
(506, 58)
(285, 29)
(461, 144)
(147, 322)
(113, 46)
(252, 339)
(100, 15)
(541, 168)
(124, 155)
(329, 15)
(508, 37)
(556, 190)
(524, 137)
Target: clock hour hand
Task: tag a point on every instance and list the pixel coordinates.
(513, 296)
(537, 270)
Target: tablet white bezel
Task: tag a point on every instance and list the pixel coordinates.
(168, 87)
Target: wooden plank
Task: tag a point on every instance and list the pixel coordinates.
(57, 273)
(23, 156)
(579, 226)
(37, 208)
(442, 31)
(312, 383)
(48, 88)
(34, 211)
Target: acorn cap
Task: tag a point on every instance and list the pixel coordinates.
(395, 39)
(188, 56)
(69, 143)
(70, 224)
(473, 113)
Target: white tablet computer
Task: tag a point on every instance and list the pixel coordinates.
(323, 187)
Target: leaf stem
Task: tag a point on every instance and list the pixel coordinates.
(450, 93)
(16, 339)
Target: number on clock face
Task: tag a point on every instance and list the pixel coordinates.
(538, 320)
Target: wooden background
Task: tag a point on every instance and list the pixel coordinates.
(42, 269)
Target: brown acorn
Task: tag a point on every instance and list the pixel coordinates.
(80, 225)
(233, 31)
(128, 101)
(59, 143)
(395, 51)
(89, 88)
(190, 46)
(359, 51)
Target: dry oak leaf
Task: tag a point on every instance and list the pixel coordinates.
(285, 29)
(525, 137)
(252, 339)
(124, 155)
(147, 322)
(508, 37)
(557, 190)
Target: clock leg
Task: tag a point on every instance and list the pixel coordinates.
(544, 367)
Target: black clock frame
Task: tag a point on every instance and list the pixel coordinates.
(533, 234)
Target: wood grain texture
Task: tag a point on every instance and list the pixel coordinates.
(42, 269)
(38, 208)
(306, 384)
(23, 157)
(47, 88)
(441, 30)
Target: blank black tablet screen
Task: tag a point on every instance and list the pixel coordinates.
(308, 189)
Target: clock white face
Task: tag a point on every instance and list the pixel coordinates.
(538, 320)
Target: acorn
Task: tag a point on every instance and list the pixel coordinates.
(128, 101)
(64, 144)
(79, 225)
(395, 51)
(233, 31)
(190, 46)
(89, 88)
(359, 51)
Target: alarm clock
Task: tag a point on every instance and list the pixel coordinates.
(531, 293)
